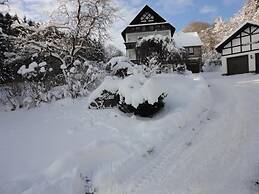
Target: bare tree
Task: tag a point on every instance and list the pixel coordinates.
(196, 26)
(83, 20)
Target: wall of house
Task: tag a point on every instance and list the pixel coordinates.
(134, 37)
(251, 61)
(197, 51)
(131, 54)
(246, 41)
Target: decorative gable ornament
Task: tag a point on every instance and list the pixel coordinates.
(147, 17)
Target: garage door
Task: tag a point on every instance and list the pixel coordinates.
(257, 62)
(238, 65)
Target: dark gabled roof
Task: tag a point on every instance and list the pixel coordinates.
(223, 43)
(137, 21)
(157, 17)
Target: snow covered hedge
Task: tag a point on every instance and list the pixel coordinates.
(134, 94)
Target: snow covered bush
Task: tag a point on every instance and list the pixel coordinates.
(212, 63)
(144, 109)
(106, 99)
(159, 53)
(180, 68)
(83, 76)
(120, 66)
(88, 185)
(136, 94)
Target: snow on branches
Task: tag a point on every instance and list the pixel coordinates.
(160, 53)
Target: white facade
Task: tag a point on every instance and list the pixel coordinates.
(245, 43)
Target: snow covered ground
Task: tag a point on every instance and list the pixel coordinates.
(204, 141)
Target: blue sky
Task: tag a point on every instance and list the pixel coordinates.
(178, 12)
(181, 12)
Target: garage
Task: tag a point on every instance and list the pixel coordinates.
(240, 51)
(237, 65)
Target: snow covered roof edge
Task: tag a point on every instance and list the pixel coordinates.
(186, 39)
(233, 33)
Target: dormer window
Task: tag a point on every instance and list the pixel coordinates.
(147, 17)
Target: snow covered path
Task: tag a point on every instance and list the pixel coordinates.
(222, 155)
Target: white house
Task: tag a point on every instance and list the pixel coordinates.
(148, 22)
(240, 50)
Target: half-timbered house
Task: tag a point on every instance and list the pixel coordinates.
(147, 23)
(240, 50)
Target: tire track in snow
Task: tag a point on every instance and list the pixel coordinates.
(162, 181)
(154, 171)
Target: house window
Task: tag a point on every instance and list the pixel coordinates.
(190, 50)
(147, 17)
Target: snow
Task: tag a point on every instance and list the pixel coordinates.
(77, 63)
(42, 70)
(187, 39)
(63, 66)
(110, 84)
(72, 70)
(117, 63)
(135, 89)
(23, 70)
(42, 64)
(204, 141)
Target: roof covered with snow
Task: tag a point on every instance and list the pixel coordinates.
(187, 39)
(227, 39)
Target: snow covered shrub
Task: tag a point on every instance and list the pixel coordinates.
(83, 76)
(120, 66)
(144, 109)
(180, 68)
(134, 94)
(212, 63)
(141, 96)
(107, 99)
(11, 96)
(106, 95)
(88, 185)
(159, 53)
(35, 83)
